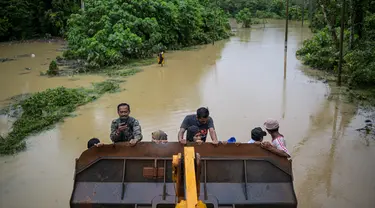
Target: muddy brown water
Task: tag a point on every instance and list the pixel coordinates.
(240, 80)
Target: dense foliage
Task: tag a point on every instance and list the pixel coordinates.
(322, 51)
(21, 19)
(44, 109)
(244, 17)
(263, 8)
(113, 31)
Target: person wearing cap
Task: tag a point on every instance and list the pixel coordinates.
(159, 136)
(278, 145)
(203, 121)
(257, 135)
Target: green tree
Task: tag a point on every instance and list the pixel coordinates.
(244, 17)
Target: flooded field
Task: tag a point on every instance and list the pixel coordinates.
(240, 80)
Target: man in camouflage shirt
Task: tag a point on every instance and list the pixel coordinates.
(125, 128)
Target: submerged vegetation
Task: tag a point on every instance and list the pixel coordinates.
(44, 109)
(322, 50)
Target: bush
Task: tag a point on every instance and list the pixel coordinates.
(114, 31)
(53, 69)
(319, 52)
(44, 109)
(244, 17)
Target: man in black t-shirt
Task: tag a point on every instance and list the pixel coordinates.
(203, 121)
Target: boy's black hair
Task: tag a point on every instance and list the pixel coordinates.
(92, 142)
(203, 112)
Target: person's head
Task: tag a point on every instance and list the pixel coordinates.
(123, 110)
(159, 135)
(257, 134)
(92, 142)
(272, 126)
(203, 115)
(193, 134)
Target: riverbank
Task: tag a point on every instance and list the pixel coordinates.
(364, 98)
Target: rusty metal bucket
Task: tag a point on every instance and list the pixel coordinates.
(231, 176)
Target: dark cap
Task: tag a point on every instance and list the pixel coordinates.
(257, 134)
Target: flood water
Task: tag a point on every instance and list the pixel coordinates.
(240, 80)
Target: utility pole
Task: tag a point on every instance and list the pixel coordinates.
(82, 5)
(341, 42)
(286, 37)
(303, 11)
(310, 11)
(213, 41)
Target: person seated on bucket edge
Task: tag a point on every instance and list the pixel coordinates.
(125, 128)
(159, 136)
(203, 121)
(94, 142)
(257, 135)
(278, 145)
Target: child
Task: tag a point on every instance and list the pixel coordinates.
(257, 135)
(159, 136)
(194, 135)
(278, 145)
(94, 142)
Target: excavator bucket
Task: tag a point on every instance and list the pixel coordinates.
(228, 176)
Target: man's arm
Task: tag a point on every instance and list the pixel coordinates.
(213, 135)
(183, 127)
(114, 132)
(137, 131)
(212, 131)
(281, 151)
(278, 152)
(181, 134)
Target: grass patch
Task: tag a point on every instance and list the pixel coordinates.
(141, 62)
(44, 109)
(122, 72)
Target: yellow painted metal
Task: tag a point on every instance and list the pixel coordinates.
(183, 204)
(201, 204)
(175, 166)
(191, 197)
(190, 180)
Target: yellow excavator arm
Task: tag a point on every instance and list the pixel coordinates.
(190, 176)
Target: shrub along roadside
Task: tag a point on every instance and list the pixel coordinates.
(114, 31)
(44, 109)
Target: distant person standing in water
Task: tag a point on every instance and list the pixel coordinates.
(203, 121)
(125, 128)
(161, 58)
(278, 145)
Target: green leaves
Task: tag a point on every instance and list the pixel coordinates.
(44, 109)
(115, 31)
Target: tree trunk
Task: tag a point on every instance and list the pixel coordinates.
(331, 22)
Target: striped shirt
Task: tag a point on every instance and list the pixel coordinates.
(280, 144)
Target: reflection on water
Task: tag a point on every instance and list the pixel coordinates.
(241, 82)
